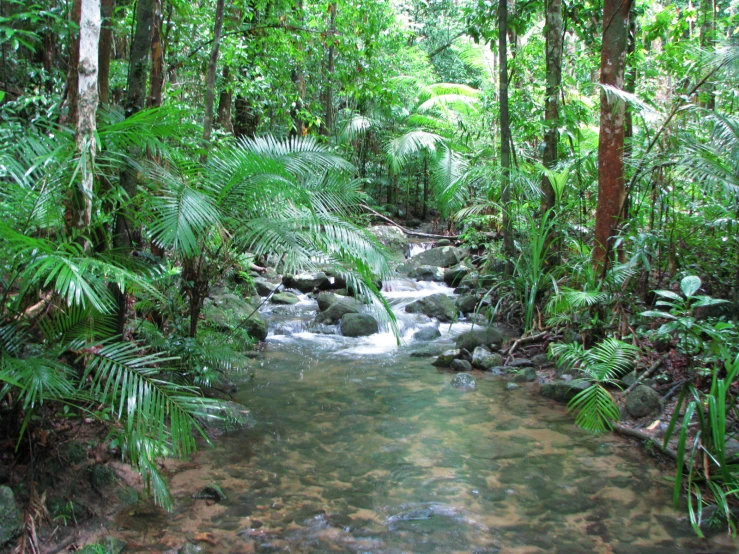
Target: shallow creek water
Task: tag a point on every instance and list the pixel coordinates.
(360, 447)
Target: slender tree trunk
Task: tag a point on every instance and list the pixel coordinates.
(73, 70)
(126, 233)
(707, 39)
(328, 120)
(156, 78)
(551, 103)
(106, 46)
(611, 138)
(505, 134)
(211, 84)
(79, 211)
(298, 79)
(629, 86)
(224, 104)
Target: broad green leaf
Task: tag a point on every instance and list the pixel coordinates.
(690, 284)
(657, 313)
(668, 294)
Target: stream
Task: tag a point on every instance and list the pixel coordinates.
(360, 446)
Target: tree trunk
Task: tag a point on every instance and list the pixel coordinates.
(505, 134)
(551, 103)
(298, 79)
(79, 210)
(211, 84)
(224, 104)
(73, 70)
(126, 235)
(328, 120)
(106, 46)
(611, 138)
(156, 79)
(707, 40)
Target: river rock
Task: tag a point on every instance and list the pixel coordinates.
(541, 360)
(439, 306)
(460, 365)
(358, 325)
(307, 282)
(284, 298)
(210, 492)
(467, 303)
(445, 256)
(427, 273)
(427, 333)
(488, 336)
(443, 242)
(229, 311)
(464, 381)
(337, 311)
(10, 516)
(527, 375)
(642, 401)
(427, 350)
(337, 279)
(453, 275)
(391, 237)
(562, 391)
(482, 358)
(326, 300)
(264, 287)
(445, 358)
(521, 362)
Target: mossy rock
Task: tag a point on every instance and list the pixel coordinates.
(10, 516)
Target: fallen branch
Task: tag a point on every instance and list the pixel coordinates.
(641, 435)
(525, 340)
(408, 231)
(646, 374)
(62, 545)
(673, 390)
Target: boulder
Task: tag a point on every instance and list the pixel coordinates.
(467, 303)
(445, 358)
(337, 280)
(427, 333)
(427, 273)
(264, 287)
(482, 358)
(307, 282)
(526, 375)
(642, 401)
(439, 306)
(484, 336)
(443, 242)
(228, 311)
(453, 276)
(284, 298)
(358, 325)
(337, 311)
(392, 238)
(10, 516)
(446, 256)
(326, 300)
(460, 365)
(464, 381)
(562, 391)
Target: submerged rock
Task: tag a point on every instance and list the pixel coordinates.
(562, 391)
(488, 336)
(464, 381)
(482, 358)
(427, 273)
(358, 325)
(210, 492)
(642, 401)
(427, 333)
(439, 306)
(334, 313)
(446, 358)
(284, 298)
(307, 282)
(460, 365)
(528, 374)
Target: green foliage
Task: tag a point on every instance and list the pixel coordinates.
(600, 365)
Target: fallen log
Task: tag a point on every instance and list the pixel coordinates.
(641, 435)
(408, 232)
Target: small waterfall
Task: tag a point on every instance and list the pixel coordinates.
(418, 247)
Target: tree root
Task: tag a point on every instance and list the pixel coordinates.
(641, 435)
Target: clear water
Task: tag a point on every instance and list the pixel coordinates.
(360, 447)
